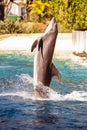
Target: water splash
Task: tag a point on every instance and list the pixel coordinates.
(22, 86)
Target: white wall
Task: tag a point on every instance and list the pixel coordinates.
(14, 10)
(79, 39)
(17, 10)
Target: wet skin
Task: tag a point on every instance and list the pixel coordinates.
(44, 69)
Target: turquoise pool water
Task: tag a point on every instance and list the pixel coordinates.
(20, 110)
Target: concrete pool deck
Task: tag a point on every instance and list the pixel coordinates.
(63, 47)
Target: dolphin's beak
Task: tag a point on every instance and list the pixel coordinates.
(52, 26)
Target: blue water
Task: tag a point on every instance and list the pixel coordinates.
(21, 110)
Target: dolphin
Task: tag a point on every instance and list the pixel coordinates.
(44, 69)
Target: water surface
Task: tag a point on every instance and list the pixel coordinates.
(66, 109)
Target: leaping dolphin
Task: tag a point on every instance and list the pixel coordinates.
(44, 69)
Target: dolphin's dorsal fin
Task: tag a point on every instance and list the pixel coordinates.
(55, 72)
(34, 45)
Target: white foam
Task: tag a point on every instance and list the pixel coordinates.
(73, 96)
(54, 96)
(22, 94)
(77, 95)
(22, 86)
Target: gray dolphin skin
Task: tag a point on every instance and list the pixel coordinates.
(44, 69)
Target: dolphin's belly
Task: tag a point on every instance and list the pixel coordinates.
(41, 71)
(35, 70)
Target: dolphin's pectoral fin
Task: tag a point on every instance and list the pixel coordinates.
(55, 72)
(34, 45)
